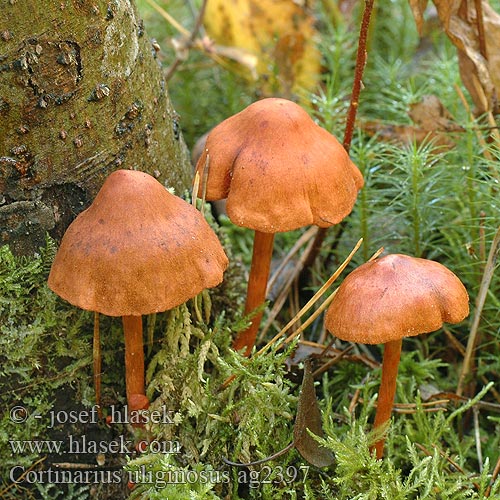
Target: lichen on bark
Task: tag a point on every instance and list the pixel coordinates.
(81, 95)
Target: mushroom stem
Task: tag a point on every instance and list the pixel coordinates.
(96, 350)
(134, 355)
(257, 285)
(392, 354)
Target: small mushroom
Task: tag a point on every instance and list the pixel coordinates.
(136, 250)
(279, 171)
(390, 298)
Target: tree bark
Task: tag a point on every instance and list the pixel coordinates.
(81, 95)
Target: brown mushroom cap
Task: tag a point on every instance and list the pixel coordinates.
(279, 170)
(393, 297)
(136, 250)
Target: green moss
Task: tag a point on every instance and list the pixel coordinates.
(418, 199)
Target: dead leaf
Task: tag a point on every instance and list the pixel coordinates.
(432, 122)
(309, 417)
(280, 34)
(418, 8)
(430, 114)
(480, 74)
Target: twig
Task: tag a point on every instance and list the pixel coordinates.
(304, 238)
(278, 303)
(447, 458)
(454, 341)
(21, 477)
(264, 460)
(477, 437)
(196, 187)
(358, 74)
(163, 13)
(190, 37)
(314, 299)
(494, 476)
(357, 393)
(361, 57)
(323, 368)
(318, 311)
(411, 408)
(178, 59)
(461, 350)
(311, 318)
(467, 366)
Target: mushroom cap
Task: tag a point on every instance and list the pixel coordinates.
(393, 297)
(278, 169)
(136, 250)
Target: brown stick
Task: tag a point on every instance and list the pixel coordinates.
(494, 477)
(474, 336)
(351, 115)
(197, 25)
(257, 285)
(358, 74)
(392, 354)
(134, 355)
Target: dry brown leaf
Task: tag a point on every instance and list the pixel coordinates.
(406, 134)
(480, 75)
(459, 22)
(432, 122)
(430, 114)
(309, 417)
(418, 8)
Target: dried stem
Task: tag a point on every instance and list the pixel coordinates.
(280, 300)
(477, 437)
(494, 477)
(305, 237)
(263, 460)
(178, 60)
(358, 74)
(163, 13)
(311, 318)
(325, 367)
(315, 298)
(361, 57)
(190, 37)
(468, 364)
(443, 454)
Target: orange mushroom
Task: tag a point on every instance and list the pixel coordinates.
(387, 299)
(279, 171)
(136, 250)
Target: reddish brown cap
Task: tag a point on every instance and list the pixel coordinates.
(279, 170)
(394, 297)
(136, 250)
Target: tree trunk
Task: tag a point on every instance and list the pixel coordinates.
(81, 95)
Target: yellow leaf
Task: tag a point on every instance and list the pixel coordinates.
(279, 33)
